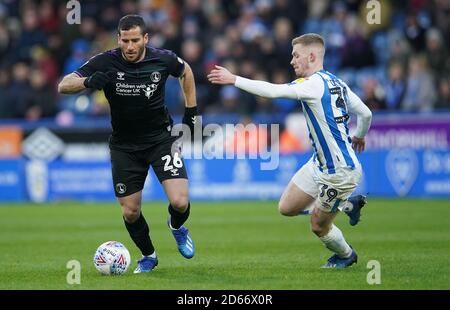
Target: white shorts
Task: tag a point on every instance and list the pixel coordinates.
(332, 190)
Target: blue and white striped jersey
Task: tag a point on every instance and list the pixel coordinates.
(325, 100)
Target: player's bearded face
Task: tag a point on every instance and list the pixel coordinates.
(132, 43)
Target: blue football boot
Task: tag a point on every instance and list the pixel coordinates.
(358, 203)
(340, 263)
(184, 241)
(146, 264)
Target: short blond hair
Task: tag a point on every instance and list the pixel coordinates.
(309, 39)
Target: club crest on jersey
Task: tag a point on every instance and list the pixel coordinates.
(120, 76)
(149, 90)
(155, 77)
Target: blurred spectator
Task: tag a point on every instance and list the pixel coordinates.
(420, 88)
(444, 94)
(283, 35)
(333, 32)
(6, 104)
(395, 86)
(39, 101)
(250, 25)
(399, 49)
(5, 42)
(109, 17)
(79, 56)
(31, 34)
(414, 32)
(356, 52)
(373, 95)
(171, 38)
(294, 10)
(442, 16)
(20, 88)
(88, 28)
(229, 100)
(437, 54)
(46, 64)
(47, 15)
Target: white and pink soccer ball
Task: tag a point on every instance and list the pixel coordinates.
(112, 258)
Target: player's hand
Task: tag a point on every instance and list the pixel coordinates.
(358, 144)
(98, 80)
(221, 76)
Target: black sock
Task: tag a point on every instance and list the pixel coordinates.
(139, 232)
(177, 219)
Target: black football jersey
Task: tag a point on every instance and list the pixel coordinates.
(136, 94)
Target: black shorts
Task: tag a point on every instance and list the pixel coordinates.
(129, 169)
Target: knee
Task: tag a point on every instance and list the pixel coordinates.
(285, 209)
(131, 213)
(180, 202)
(318, 230)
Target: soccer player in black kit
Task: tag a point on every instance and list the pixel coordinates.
(133, 78)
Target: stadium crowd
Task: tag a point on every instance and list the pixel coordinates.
(401, 63)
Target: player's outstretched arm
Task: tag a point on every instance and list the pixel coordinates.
(222, 76)
(72, 83)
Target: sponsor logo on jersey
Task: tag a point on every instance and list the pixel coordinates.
(120, 76)
(300, 80)
(149, 90)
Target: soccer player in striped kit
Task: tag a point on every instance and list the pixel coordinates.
(328, 179)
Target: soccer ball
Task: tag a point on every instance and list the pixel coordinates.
(112, 258)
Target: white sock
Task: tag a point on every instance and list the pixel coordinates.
(153, 255)
(335, 242)
(347, 206)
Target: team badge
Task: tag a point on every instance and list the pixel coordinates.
(155, 77)
(121, 188)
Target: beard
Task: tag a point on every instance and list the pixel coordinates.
(135, 57)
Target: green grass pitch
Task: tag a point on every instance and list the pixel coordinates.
(239, 245)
